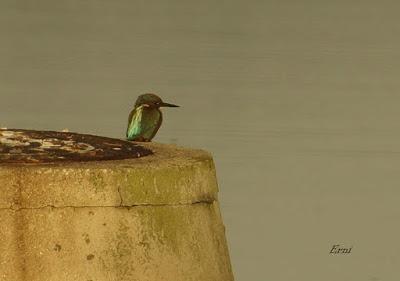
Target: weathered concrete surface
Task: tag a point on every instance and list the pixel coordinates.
(171, 176)
(146, 219)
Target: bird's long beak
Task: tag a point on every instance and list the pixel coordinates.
(168, 104)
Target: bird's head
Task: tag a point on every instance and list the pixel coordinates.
(153, 101)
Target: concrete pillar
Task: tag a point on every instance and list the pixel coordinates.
(152, 216)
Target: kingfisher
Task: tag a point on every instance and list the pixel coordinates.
(145, 119)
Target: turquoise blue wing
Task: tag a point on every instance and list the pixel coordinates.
(135, 124)
(143, 124)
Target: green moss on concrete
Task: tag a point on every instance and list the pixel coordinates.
(184, 184)
(97, 180)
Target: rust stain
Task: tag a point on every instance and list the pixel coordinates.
(90, 257)
(57, 247)
(29, 146)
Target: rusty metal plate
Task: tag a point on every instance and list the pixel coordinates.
(29, 146)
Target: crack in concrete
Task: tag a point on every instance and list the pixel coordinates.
(205, 202)
(121, 200)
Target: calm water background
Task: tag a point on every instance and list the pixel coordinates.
(287, 95)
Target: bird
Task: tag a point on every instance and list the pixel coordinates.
(145, 119)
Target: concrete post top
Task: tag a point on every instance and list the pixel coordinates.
(160, 175)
